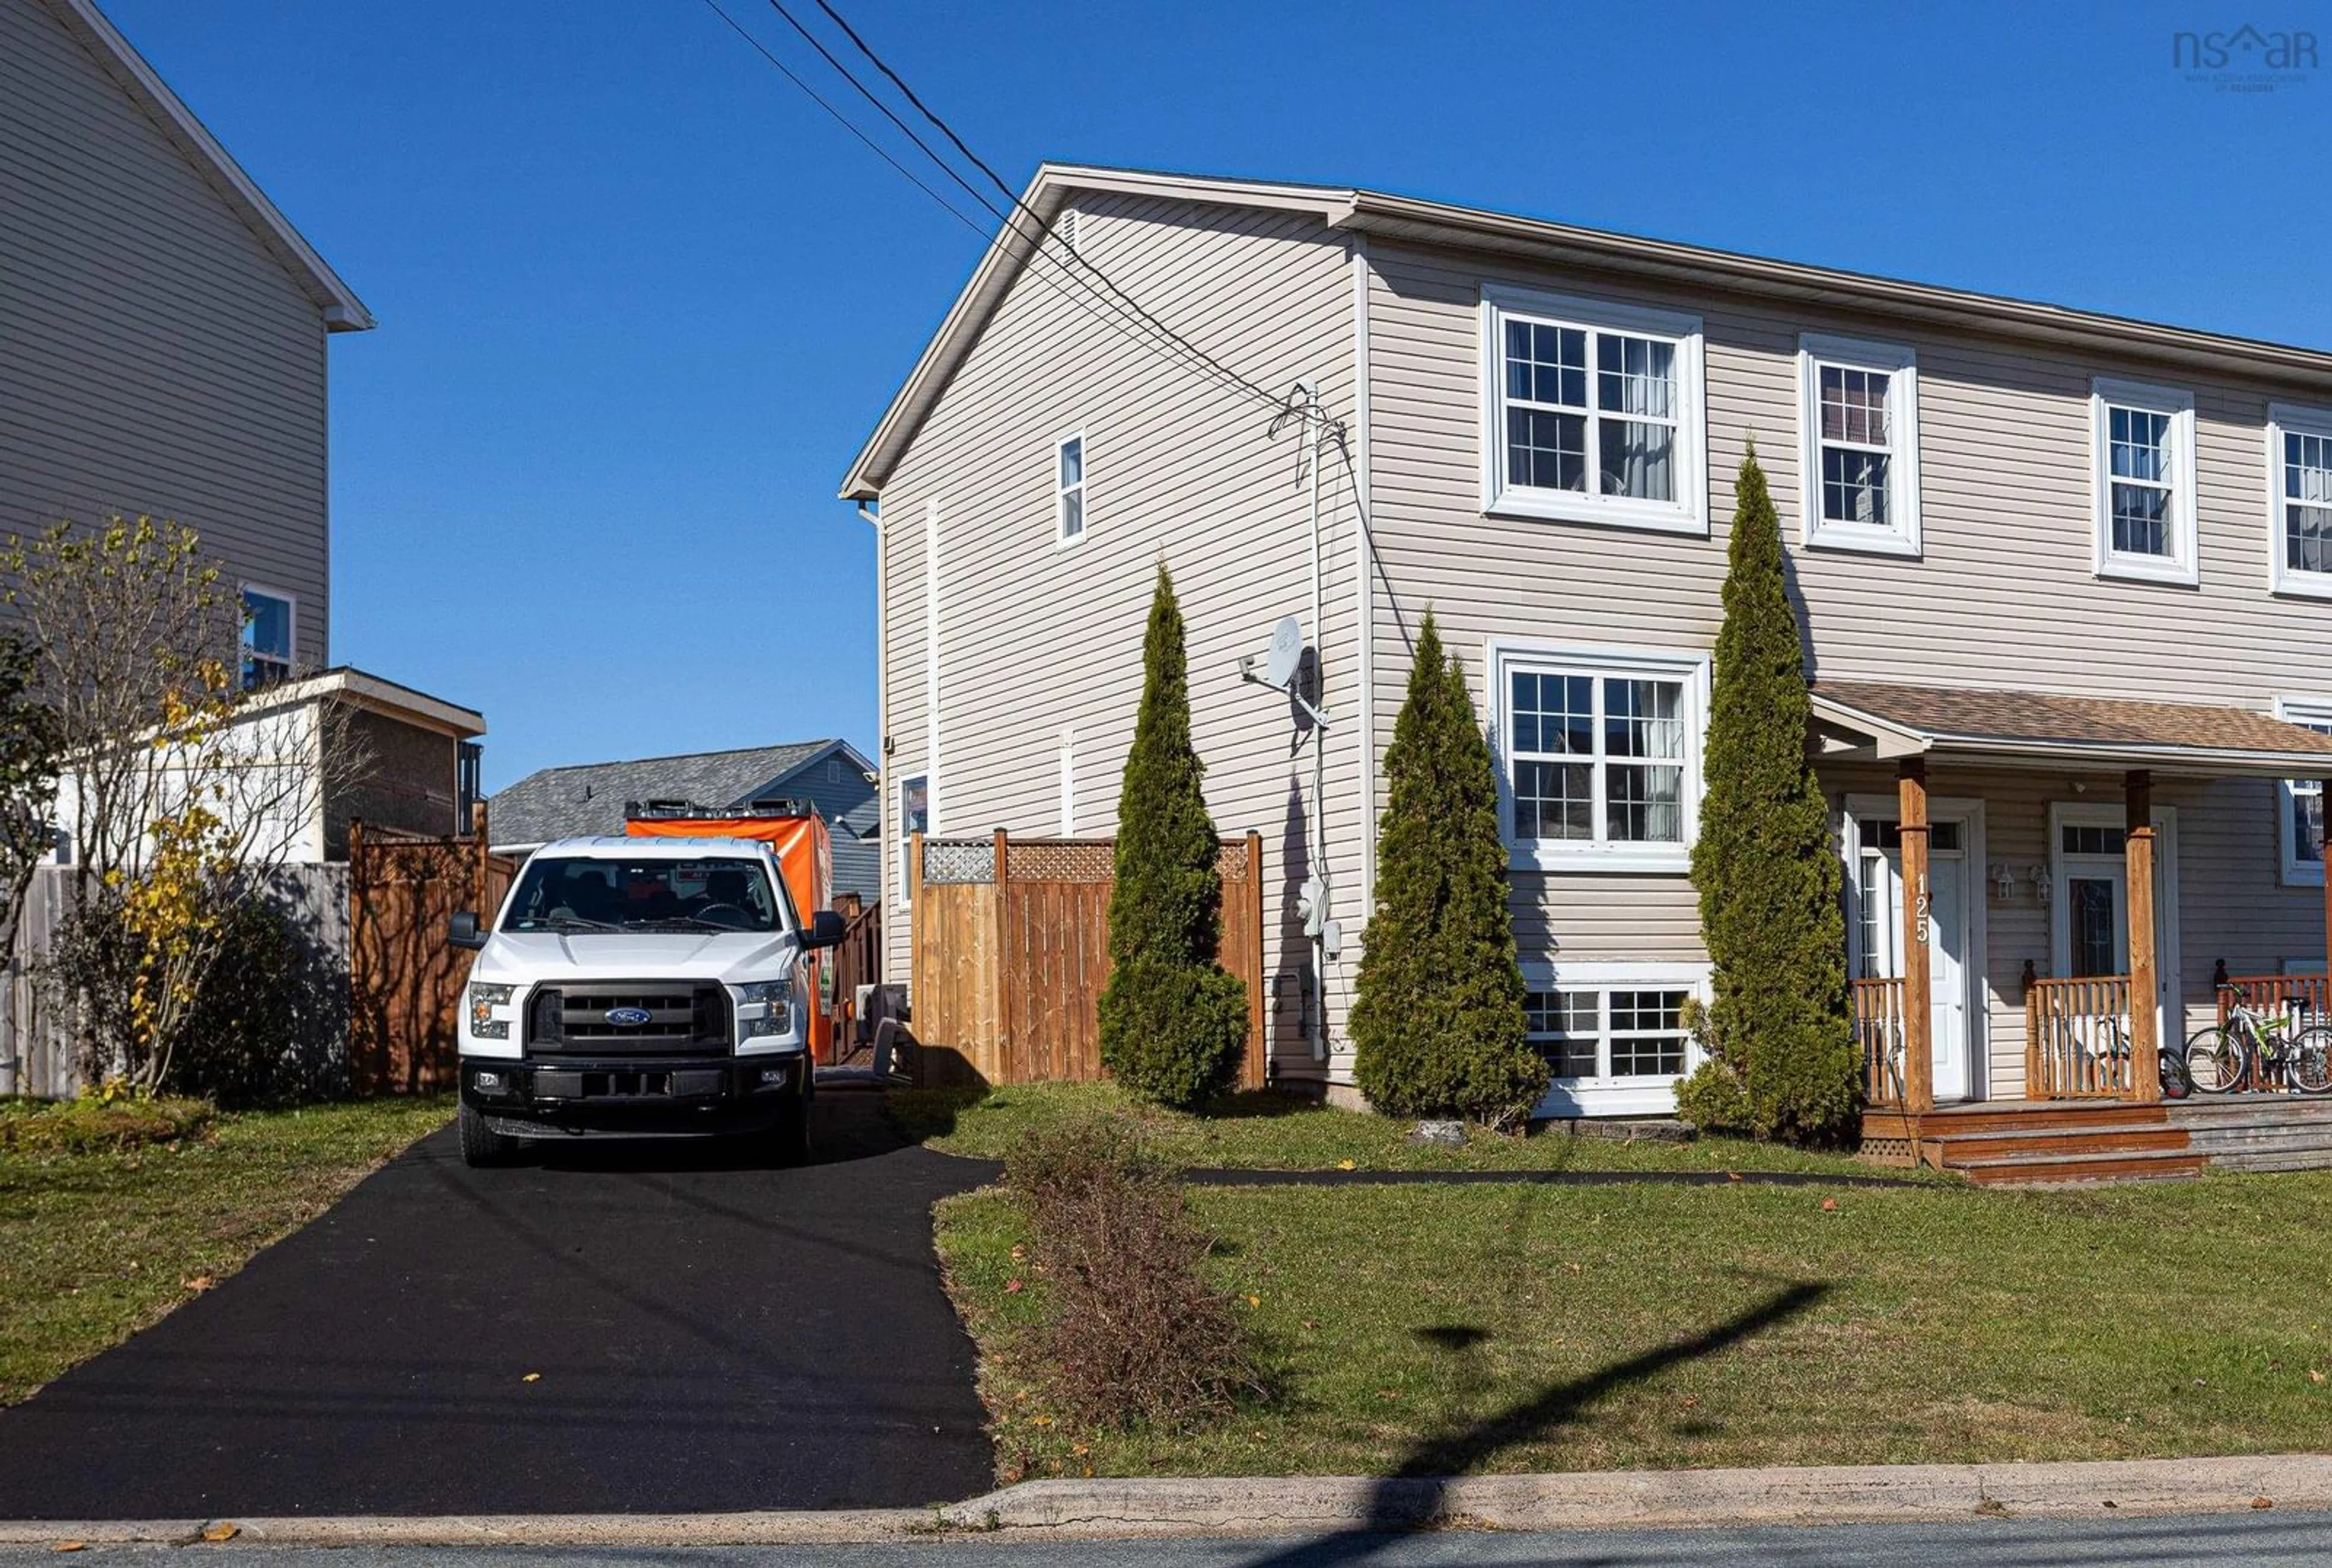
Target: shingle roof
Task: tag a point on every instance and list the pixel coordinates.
(1967, 719)
(567, 802)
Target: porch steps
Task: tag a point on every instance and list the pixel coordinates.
(2053, 1170)
(1955, 1148)
(2260, 1131)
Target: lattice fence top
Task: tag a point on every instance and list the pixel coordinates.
(1079, 860)
(1062, 860)
(958, 860)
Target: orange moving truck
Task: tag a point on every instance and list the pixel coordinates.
(796, 835)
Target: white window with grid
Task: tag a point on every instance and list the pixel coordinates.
(2299, 499)
(2299, 802)
(1858, 413)
(1613, 1033)
(2143, 475)
(1592, 412)
(1600, 756)
(1069, 489)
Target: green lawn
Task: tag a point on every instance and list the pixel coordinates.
(94, 1246)
(1274, 1132)
(1529, 1327)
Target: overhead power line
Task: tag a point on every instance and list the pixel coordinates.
(1013, 196)
(1121, 312)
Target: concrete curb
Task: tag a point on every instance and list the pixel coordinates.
(1332, 1504)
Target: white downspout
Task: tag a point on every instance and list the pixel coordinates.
(1314, 433)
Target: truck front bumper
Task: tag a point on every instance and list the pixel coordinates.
(537, 1096)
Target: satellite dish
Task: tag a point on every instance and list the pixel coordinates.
(1287, 655)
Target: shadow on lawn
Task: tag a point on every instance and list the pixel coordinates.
(1412, 1494)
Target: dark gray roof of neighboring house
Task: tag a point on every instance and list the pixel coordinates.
(589, 798)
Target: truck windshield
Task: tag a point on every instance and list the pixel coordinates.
(587, 894)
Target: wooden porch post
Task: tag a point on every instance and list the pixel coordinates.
(1918, 983)
(2144, 988)
(2324, 859)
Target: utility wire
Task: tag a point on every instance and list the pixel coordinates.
(1190, 356)
(1199, 359)
(1013, 196)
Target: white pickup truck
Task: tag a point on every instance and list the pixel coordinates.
(640, 987)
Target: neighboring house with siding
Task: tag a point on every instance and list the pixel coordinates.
(2050, 563)
(162, 326)
(592, 798)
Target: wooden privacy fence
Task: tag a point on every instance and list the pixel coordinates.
(1010, 944)
(2077, 1039)
(404, 979)
(856, 960)
(1878, 1029)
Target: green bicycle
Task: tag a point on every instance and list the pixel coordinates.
(2252, 1050)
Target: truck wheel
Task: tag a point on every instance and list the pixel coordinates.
(481, 1144)
(789, 1139)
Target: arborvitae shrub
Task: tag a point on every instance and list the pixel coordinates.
(1771, 908)
(1438, 1018)
(1173, 1022)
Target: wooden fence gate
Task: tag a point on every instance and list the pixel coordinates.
(405, 980)
(1010, 944)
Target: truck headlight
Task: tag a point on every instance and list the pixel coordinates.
(483, 1001)
(775, 998)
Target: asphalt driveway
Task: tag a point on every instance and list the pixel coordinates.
(708, 1334)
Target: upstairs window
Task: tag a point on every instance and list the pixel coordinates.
(267, 634)
(2143, 478)
(1592, 412)
(1859, 412)
(1069, 489)
(1601, 758)
(2299, 499)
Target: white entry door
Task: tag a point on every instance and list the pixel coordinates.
(1881, 897)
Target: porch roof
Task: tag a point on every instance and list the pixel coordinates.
(1887, 720)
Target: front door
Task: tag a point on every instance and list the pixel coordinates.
(1882, 894)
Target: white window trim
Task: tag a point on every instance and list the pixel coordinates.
(1062, 538)
(1689, 513)
(1628, 1097)
(1901, 366)
(290, 602)
(2295, 872)
(1500, 655)
(2181, 566)
(907, 836)
(2282, 418)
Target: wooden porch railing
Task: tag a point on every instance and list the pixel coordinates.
(2277, 995)
(2077, 1039)
(1879, 1029)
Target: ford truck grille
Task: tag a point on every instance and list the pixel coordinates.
(681, 1019)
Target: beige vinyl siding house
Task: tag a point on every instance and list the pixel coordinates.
(162, 327)
(1941, 460)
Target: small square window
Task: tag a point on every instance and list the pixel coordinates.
(267, 637)
(2300, 829)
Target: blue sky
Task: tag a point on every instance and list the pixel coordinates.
(640, 301)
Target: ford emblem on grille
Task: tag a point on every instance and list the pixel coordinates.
(629, 1016)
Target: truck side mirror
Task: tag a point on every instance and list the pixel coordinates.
(461, 930)
(826, 929)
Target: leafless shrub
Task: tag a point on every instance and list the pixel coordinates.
(1134, 1332)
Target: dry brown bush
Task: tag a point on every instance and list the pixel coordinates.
(1134, 1332)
